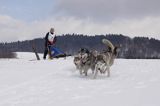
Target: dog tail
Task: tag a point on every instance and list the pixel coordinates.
(108, 43)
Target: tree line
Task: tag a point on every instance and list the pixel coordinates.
(130, 48)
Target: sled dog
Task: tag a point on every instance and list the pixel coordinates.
(85, 60)
(105, 59)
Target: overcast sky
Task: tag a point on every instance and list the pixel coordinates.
(29, 19)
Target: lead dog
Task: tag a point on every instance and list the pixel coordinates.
(85, 60)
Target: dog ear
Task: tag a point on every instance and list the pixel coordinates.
(95, 53)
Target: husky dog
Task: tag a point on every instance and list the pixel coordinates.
(105, 59)
(77, 61)
(85, 60)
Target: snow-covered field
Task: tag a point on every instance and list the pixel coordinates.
(57, 83)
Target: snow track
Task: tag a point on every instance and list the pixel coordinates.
(57, 83)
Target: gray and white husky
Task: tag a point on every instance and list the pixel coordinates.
(105, 59)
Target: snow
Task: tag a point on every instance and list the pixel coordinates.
(27, 82)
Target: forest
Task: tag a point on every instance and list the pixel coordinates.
(129, 48)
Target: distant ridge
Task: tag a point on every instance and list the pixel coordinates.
(134, 48)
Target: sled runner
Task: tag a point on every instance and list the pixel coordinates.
(55, 52)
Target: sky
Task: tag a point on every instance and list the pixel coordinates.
(29, 19)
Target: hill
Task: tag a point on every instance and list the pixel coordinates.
(137, 47)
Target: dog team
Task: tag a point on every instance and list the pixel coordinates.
(98, 62)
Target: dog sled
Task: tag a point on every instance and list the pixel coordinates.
(55, 52)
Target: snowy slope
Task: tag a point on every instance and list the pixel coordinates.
(57, 83)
